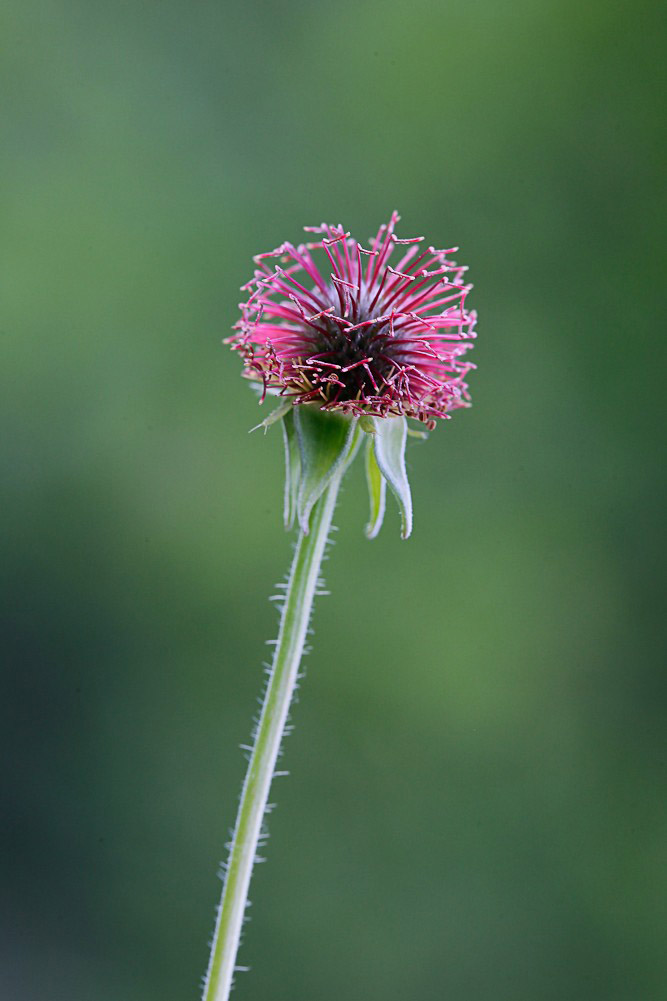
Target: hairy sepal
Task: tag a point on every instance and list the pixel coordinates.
(292, 468)
(327, 443)
(274, 416)
(377, 490)
(389, 447)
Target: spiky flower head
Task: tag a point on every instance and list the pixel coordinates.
(334, 323)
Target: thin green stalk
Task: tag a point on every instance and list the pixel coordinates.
(301, 590)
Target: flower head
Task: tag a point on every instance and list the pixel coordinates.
(335, 323)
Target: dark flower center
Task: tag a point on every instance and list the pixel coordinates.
(363, 357)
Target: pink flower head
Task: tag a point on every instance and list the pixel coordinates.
(334, 323)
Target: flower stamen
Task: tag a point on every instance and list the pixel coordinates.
(384, 340)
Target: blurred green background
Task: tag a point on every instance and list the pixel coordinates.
(477, 808)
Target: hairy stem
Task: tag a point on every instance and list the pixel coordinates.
(299, 596)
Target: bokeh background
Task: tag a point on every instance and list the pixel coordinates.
(477, 807)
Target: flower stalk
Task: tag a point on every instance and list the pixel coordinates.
(301, 590)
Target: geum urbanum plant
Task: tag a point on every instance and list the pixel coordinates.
(351, 346)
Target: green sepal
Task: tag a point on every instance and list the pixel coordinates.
(292, 467)
(274, 416)
(367, 424)
(327, 442)
(377, 491)
(390, 438)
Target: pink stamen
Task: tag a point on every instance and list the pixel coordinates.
(411, 316)
(356, 364)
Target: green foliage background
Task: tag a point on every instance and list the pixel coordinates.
(476, 810)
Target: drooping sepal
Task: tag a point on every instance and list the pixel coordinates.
(377, 490)
(274, 416)
(320, 445)
(327, 444)
(389, 451)
(292, 468)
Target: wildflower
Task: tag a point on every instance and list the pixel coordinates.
(334, 323)
(364, 344)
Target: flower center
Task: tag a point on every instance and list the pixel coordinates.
(361, 356)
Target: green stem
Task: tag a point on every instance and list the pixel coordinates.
(254, 796)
